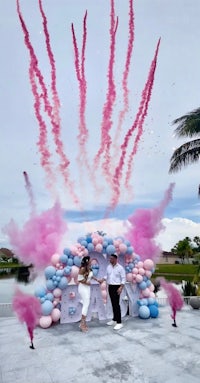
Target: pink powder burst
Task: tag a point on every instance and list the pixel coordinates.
(40, 237)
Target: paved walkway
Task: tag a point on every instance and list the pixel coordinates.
(144, 351)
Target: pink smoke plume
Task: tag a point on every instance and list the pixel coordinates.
(146, 96)
(28, 311)
(125, 78)
(145, 226)
(80, 74)
(109, 104)
(139, 121)
(52, 112)
(40, 237)
(30, 192)
(34, 72)
(174, 297)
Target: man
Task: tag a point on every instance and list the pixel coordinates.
(115, 278)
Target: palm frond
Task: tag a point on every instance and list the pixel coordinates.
(188, 125)
(186, 154)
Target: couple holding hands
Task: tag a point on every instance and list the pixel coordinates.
(115, 278)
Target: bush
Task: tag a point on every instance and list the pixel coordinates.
(189, 289)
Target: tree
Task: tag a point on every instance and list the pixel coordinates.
(183, 249)
(188, 153)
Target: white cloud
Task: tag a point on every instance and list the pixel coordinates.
(177, 229)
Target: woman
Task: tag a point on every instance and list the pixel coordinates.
(84, 277)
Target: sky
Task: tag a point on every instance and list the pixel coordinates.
(174, 92)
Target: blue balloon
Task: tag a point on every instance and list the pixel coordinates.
(40, 291)
(144, 302)
(64, 258)
(80, 239)
(67, 251)
(67, 270)
(84, 243)
(47, 307)
(105, 243)
(50, 285)
(58, 278)
(151, 301)
(63, 283)
(144, 312)
(49, 272)
(142, 285)
(131, 265)
(59, 273)
(90, 247)
(148, 282)
(110, 249)
(89, 239)
(127, 243)
(77, 261)
(70, 262)
(42, 300)
(50, 297)
(153, 311)
(129, 250)
(110, 241)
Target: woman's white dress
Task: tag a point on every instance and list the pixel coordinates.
(84, 291)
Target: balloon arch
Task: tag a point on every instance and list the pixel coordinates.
(60, 300)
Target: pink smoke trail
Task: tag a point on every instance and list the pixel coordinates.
(80, 74)
(54, 114)
(174, 297)
(39, 238)
(30, 192)
(145, 225)
(28, 311)
(125, 77)
(33, 68)
(139, 121)
(56, 101)
(35, 72)
(109, 104)
(147, 97)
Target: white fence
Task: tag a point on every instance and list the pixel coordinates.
(6, 308)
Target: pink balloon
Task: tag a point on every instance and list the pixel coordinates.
(148, 264)
(45, 321)
(152, 287)
(95, 241)
(74, 250)
(85, 252)
(57, 292)
(146, 292)
(55, 315)
(148, 273)
(152, 294)
(135, 270)
(140, 264)
(74, 271)
(139, 278)
(55, 258)
(99, 248)
(129, 277)
(122, 248)
(141, 271)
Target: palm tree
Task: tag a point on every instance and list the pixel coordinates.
(188, 153)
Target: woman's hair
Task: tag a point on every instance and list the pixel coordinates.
(85, 261)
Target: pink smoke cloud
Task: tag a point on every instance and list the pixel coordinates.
(145, 226)
(40, 237)
(27, 309)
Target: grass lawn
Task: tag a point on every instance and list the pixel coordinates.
(175, 272)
